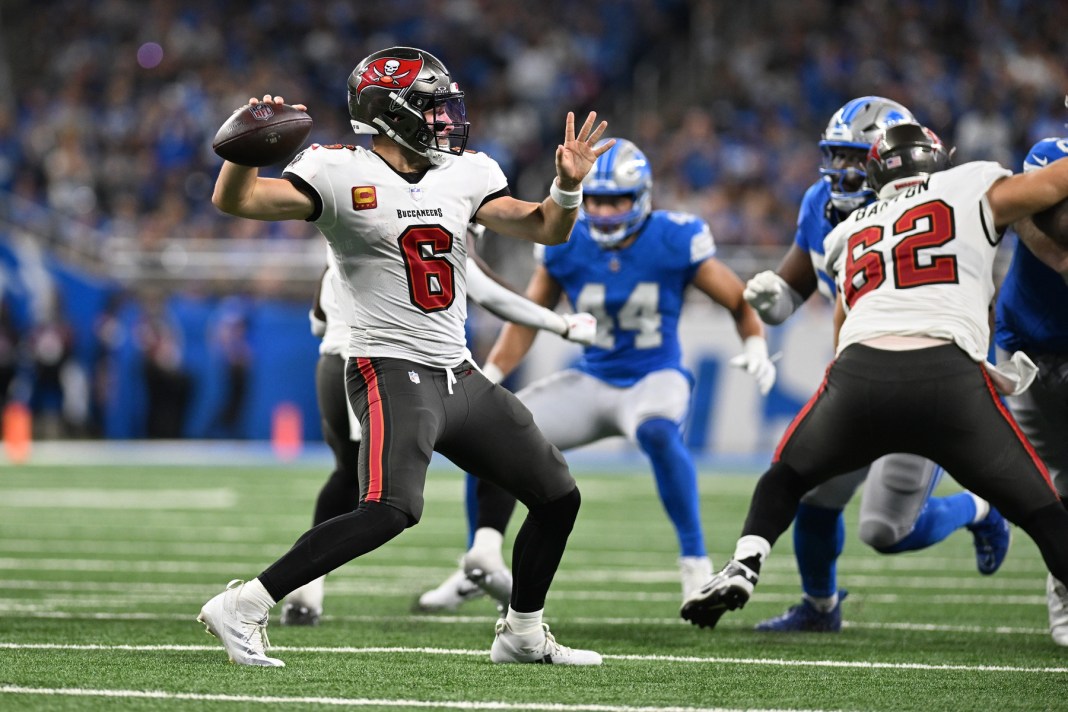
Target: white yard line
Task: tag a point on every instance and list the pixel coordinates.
(357, 701)
(29, 610)
(375, 650)
(86, 498)
(365, 571)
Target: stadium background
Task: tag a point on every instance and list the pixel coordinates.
(131, 308)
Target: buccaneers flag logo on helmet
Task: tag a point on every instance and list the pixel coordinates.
(390, 73)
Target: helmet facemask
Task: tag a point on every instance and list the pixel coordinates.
(407, 95)
(845, 144)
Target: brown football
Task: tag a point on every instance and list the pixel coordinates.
(1053, 221)
(262, 134)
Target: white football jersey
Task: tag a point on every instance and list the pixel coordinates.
(400, 246)
(920, 263)
(336, 339)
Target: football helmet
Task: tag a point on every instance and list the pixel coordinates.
(845, 144)
(905, 151)
(622, 170)
(391, 92)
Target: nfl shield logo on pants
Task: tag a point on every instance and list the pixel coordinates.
(413, 376)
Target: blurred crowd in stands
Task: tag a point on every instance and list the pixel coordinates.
(114, 103)
(108, 108)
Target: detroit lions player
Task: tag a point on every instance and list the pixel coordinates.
(629, 266)
(1032, 316)
(914, 272)
(897, 511)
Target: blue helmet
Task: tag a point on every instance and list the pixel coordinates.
(622, 170)
(855, 127)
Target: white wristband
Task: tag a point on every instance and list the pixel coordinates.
(566, 199)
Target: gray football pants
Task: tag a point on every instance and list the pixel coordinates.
(895, 490)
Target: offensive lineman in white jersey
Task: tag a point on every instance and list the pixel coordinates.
(914, 272)
(395, 218)
(341, 429)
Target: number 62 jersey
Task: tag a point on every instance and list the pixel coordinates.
(920, 262)
(399, 241)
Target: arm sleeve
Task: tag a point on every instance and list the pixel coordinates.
(508, 305)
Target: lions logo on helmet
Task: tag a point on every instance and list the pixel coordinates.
(622, 171)
(845, 143)
(392, 90)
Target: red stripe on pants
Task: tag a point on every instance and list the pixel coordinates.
(374, 435)
(1016, 428)
(801, 416)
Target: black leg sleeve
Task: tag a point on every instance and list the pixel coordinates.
(539, 546)
(337, 541)
(1049, 528)
(341, 492)
(775, 501)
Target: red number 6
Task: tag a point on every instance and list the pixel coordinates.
(430, 274)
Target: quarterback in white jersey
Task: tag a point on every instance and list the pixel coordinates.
(341, 428)
(395, 217)
(386, 231)
(914, 270)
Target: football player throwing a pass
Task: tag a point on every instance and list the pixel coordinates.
(341, 492)
(395, 219)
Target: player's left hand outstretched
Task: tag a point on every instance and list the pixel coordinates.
(577, 154)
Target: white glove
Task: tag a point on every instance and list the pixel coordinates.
(492, 372)
(318, 326)
(773, 299)
(581, 328)
(756, 363)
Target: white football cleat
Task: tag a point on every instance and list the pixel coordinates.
(243, 637)
(485, 568)
(694, 572)
(1057, 600)
(450, 595)
(539, 648)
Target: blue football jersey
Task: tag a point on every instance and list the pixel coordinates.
(1032, 307)
(815, 220)
(635, 292)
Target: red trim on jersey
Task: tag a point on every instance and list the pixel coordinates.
(801, 416)
(1016, 429)
(374, 435)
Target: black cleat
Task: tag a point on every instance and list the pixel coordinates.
(727, 590)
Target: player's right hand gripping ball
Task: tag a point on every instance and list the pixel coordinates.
(1053, 222)
(262, 134)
